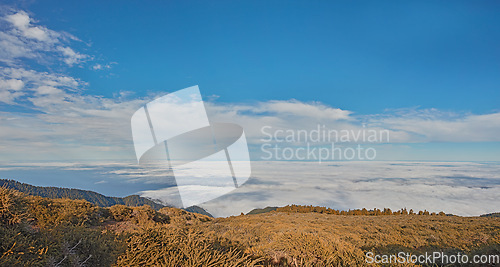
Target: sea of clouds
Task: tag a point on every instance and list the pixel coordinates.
(461, 188)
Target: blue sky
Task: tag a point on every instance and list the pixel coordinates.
(427, 70)
(364, 57)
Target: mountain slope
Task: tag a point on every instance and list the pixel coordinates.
(199, 210)
(495, 214)
(90, 196)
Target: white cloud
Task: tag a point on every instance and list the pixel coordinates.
(9, 96)
(48, 90)
(70, 56)
(10, 90)
(94, 126)
(22, 38)
(296, 108)
(102, 66)
(16, 84)
(431, 125)
(404, 126)
(281, 115)
(11, 84)
(22, 23)
(61, 121)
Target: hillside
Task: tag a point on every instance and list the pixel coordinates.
(36, 231)
(90, 196)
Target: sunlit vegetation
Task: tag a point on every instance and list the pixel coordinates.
(183, 246)
(302, 239)
(36, 231)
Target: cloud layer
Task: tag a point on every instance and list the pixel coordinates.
(453, 187)
(461, 188)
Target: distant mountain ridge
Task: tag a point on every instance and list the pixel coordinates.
(264, 210)
(495, 214)
(199, 210)
(90, 196)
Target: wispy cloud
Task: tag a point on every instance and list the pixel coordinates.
(410, 125)
(23, 38)
(66, 119)
(99, 66)
(432, 125)
(54, 116)
(295, 108)
(58, 118)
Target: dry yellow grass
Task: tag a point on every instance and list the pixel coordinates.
(305, 239)
(316, 238)
(38, 231)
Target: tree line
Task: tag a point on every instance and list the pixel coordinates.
(364, 211)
